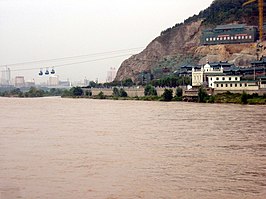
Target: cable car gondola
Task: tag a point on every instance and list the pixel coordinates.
(47, 72)
(53, 71)
(40, 73)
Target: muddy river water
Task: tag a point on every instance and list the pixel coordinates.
(53, 148)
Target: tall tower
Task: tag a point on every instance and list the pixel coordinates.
(6, 77)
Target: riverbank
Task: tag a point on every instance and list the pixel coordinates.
(148, 93)
(223, 98)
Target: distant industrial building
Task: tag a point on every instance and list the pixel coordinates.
(230, 34)
(30, 83)
(6, 77)
(111, 74)
(19, 81)
(53, 80)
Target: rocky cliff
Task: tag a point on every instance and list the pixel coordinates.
(184, 39)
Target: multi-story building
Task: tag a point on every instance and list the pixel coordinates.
(230, 34)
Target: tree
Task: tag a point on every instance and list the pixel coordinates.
(179, 92)
(77, 91)
(202, 94)
(150, 91)
(116, 92)
(167, 94)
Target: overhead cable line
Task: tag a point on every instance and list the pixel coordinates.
(70, 57)
(73, 63)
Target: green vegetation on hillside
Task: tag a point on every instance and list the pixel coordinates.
(223, 12)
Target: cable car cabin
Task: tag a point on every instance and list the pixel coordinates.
(53, 71)
(47, 72)
(40, 73)
(230, 34)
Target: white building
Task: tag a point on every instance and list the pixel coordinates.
(219, 81)
(199, 77)
(216, 78)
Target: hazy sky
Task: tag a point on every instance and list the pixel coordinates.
(33, 30)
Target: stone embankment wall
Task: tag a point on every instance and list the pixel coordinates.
(131, 92)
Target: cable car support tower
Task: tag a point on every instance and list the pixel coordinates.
(261, 18)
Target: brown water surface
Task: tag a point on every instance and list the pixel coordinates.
(53, 148)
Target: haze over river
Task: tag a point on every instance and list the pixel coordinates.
(53, 148)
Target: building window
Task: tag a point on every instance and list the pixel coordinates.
(224, 38)
(211, 78)
(217, 78)
(232, 38)
(228, 38)
(235, 85)
(210, 39)
(239, 37)
(240, 85)
(226, 85)
(229, 78)
(250, 37)
(214, 39)
(246, 37)
(235, 37)
(222, 85)
(207, 39)
(218, 39)
(223, 78)
(211, 84)
(246, 85)
(231, 85)
(217, 85)
(235, 78)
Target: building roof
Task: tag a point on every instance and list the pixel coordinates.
(230, 26)
(221, 74)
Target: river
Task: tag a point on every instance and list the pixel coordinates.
(53, 148)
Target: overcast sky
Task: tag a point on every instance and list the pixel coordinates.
(32, 30)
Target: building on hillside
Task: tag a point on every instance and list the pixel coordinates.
(230, 34)
(259, 63)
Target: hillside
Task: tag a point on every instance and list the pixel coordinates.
(181, 43)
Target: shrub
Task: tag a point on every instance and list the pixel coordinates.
(244, 98)
(101, 95)
(167, 94)
(150, 91)
(88, 93)
(122, 93)
(76, 91)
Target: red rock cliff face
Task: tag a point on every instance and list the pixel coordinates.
(185, 39)
(182, 39)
